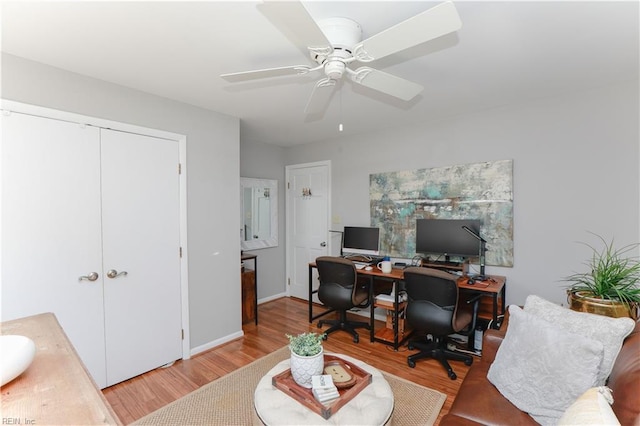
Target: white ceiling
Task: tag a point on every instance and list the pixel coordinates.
(506, 52)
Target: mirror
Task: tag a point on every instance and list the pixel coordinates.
(259, 213)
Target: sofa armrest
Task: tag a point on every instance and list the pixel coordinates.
(624, 380)
(490, 343)
(492, 339)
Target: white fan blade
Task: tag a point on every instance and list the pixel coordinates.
(294, 21)
(386, 83)
(320, 96)
(266, 73)
(433, 23)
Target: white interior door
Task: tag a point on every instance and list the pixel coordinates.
(308, 207)
(141, 228)
(51, 229)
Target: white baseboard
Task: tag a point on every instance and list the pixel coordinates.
(233, 336)
(216, 342)
(379, 315)
(270, 298)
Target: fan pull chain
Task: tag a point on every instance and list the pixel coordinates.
(340, 127)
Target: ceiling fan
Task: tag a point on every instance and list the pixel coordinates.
(335, 43)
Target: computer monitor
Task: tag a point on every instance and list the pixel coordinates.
(447, 237)
(361, 240)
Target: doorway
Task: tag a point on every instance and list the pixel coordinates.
(308, 207)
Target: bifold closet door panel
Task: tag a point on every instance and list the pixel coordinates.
(141, 247)
(51, 229)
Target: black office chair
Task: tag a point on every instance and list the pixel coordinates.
(433, 308)
(339, 290)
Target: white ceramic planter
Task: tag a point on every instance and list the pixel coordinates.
(16, 354)
(305, 367)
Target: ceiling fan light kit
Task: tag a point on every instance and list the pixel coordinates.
(341, 32)
(334, 43)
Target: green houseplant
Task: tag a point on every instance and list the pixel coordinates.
(305, 344)
(611, 285)
(307, 357)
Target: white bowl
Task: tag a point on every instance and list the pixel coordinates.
(16, 354)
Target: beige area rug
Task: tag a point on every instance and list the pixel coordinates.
(229, 399)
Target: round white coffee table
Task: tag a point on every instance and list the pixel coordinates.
(372, 406)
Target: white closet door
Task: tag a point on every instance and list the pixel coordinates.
(51, 229)
(141, 236)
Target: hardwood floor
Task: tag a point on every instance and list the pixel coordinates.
(141, 395)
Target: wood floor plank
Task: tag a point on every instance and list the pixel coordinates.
(136, 397)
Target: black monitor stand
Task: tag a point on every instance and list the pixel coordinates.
(481, 253)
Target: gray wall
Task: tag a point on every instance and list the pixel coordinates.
(576, 169)
(264, 161)
(212, 177)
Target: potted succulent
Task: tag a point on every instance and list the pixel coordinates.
(307, 357)
(611, 286)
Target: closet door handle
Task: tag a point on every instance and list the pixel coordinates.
(112, 273)
(90, 277)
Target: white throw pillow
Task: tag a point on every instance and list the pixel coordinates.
(592, 408)
(611, 332)
(541, 368)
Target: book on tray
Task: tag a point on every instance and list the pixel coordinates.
(323, 388)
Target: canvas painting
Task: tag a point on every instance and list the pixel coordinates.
(481, 191)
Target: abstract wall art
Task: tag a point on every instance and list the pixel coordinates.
(481, 191)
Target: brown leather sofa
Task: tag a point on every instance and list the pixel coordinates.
(479, 402)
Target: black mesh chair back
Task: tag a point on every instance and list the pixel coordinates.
(433, 300)
(339, 290)
(433, 309)
(338, 278)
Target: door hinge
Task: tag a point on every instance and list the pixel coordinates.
(180, 252)
(288, 281)
(288, 185)
(179, 168)
(182, 332)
